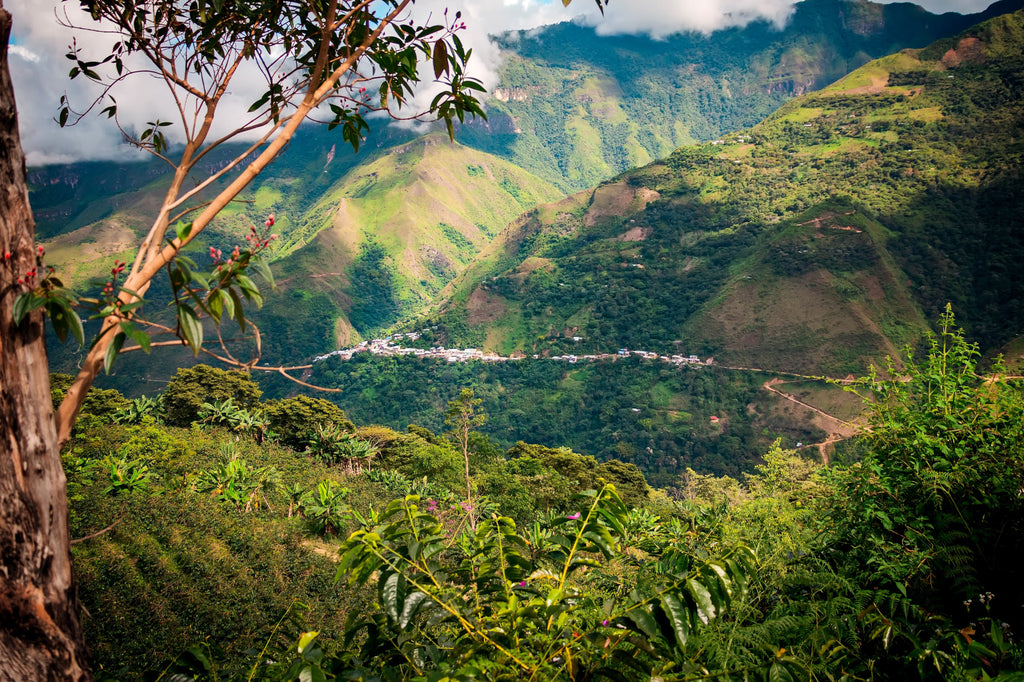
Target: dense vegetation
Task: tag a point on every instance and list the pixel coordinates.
(577, 107)
(574, 100)
(650, 414)
(556, 521)
(898, 563)
(883, 196)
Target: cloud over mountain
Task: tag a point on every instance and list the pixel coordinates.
(39, 68)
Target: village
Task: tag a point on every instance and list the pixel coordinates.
(389, 346)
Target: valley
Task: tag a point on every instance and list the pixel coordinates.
(698, 357)
(817, 243)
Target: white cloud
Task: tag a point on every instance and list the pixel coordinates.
(40, 69)
(661, 18)
(24, 53)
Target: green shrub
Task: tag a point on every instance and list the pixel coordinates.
(293, 419)
(192, 386)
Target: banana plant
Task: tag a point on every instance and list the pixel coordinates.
(139, 411)
(234, 482)
(326, 508)
(126, 476)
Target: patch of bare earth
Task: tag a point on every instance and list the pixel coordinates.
(322, 548)
(344, 333)
(344, 222)
(534, 263)
(801, 316)
(96, 241)
(484, 307)
(636, 234)
(878, 84)
(617, 199)
(969, 50)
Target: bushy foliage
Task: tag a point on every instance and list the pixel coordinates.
(101, 405)
(236, 483)
(192, 386)
(935, 507)
(294, 419)
(141, 410)
(901, 564)
(587, 407)
(527, 615)
(331, 444)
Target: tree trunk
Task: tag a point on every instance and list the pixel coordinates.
(40, 636)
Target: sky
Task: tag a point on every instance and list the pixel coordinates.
(39, 68)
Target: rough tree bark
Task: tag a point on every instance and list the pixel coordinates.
(40, 636)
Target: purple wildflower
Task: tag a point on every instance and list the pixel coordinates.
(573, 517)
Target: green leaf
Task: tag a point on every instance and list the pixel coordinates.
(440, 59)
(182, 230)
(142, 338)
(215, 306)
(412, 605)
(191, 327)
(249, 288)
(262, 268)
(678, 616)
(112, 350)
(738, 575)
(227, 302)
(705, 607)
(391, 594)
(26, 303)
(778, 673)
(306, 638)
(643, 619)
(75, 322)
(239, 309)
(58, 319)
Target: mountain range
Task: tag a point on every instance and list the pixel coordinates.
(763, 213)
(820, 240)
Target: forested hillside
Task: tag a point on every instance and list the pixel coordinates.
(566, 112)
(819, 240)
(576, 107)
(746, 422)
(224, 537)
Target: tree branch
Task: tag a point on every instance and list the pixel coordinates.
(99, 532)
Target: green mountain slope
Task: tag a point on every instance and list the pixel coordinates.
(576, 108)
(373, 244)
(392, 232)
(816, 241)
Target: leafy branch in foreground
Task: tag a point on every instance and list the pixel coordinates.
(481, 604)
